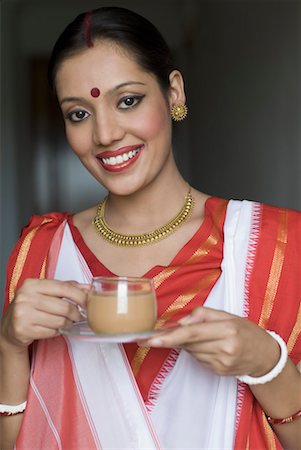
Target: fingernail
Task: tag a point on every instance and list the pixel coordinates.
(82, 311)
(186, 320)
(157, 342)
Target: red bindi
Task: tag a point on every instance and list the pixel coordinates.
(95, 92)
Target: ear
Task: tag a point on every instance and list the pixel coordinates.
(176, 91)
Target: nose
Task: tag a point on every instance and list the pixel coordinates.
(107, 129)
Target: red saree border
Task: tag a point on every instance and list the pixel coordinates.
(275, 271)
(21, 258)
(268, 287)
(29, 256)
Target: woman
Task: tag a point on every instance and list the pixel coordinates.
(226, 271)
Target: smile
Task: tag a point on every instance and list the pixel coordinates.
(120, 159)
(115, 160)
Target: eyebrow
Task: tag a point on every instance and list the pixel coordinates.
(121, 85)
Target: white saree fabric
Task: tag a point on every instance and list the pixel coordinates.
(195, 409)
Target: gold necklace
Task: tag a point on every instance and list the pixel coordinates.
(135, 240)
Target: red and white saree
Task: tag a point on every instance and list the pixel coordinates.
(92, 396)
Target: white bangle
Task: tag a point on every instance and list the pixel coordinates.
(11, 410)
(275, 371)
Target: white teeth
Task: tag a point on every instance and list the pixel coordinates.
(113, 160)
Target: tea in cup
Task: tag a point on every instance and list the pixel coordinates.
(121, 305)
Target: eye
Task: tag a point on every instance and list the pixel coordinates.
(77, 116)
(130, 101)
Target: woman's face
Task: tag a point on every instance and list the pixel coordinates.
(117, 119)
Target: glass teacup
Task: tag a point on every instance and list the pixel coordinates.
(121, 305)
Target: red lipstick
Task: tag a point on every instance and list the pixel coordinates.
(118, 160)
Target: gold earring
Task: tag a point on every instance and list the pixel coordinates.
(178, 112)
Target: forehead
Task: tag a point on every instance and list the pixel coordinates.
(105, 65)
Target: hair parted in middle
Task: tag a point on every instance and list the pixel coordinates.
(120, 26)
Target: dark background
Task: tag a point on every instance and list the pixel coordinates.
(241, 63)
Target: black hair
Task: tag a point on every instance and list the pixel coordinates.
(127, 29)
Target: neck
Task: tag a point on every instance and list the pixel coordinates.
(151, 236)
(148, 208)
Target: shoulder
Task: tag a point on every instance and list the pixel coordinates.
(270, 215)
(38, 232)
(273, 209)
(28, 257)
(283, 223)
(82, 220)
(45, 221)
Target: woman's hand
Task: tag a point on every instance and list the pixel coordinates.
(227, 344)
(40, 308)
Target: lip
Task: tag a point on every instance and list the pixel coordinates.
(123, 165)
(120, 151)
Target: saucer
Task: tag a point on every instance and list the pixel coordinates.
(81, 330)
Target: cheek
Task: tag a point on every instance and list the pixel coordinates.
(154, 122)
(77, 140)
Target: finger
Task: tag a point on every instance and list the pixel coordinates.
(50, 321)
(204, 314)
(81, 310)
(42, 325)
(83, 286)
(56, 288)
(219, 365)
(60, 307)
(41, 332)
(197, 332)
(204, 348)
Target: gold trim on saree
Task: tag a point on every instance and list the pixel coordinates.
(276, 269)
(295, 332)
(21, 258)
(269, 433)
